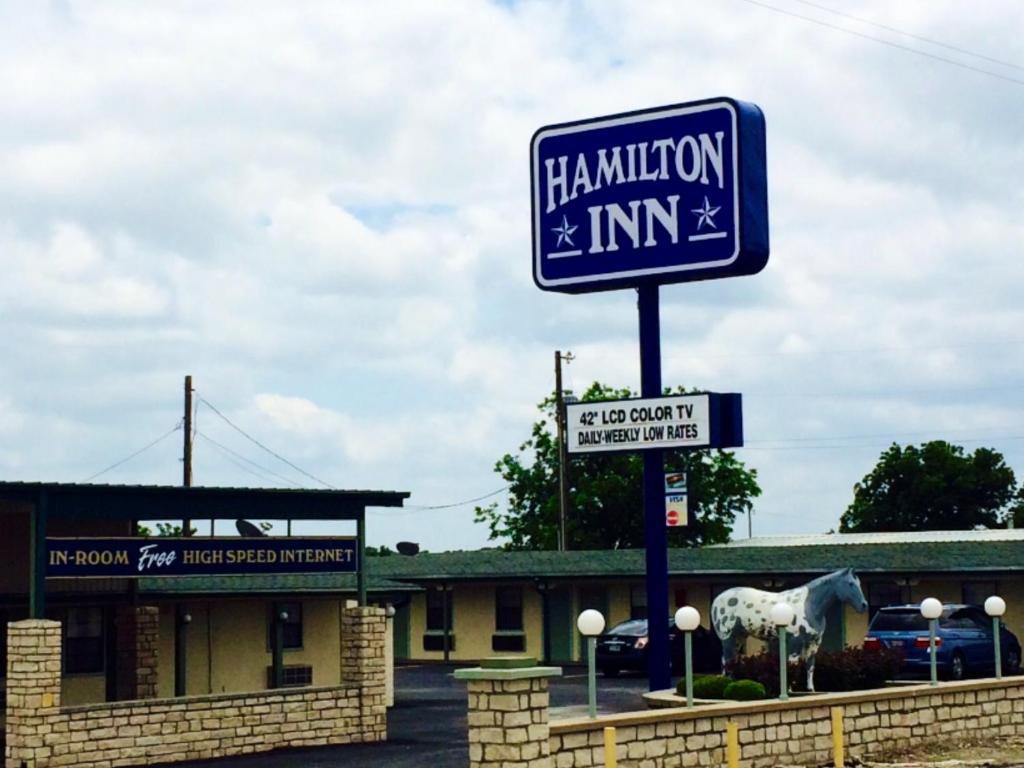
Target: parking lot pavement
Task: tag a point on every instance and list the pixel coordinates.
(427, 725)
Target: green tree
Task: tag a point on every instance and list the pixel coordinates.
(934, 486)
(606, 496)
(164, 529)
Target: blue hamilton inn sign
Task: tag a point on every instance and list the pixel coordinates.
(665, 195)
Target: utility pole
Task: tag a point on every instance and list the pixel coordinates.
(563, 480)
(182, 616)
(186, 527)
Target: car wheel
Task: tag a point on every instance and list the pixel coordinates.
(957, 667)
(610, 671)
(1012, 663)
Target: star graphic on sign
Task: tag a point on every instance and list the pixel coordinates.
(564, 232)
(706, 213)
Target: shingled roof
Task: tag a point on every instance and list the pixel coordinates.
(966, 553)
(882, 557)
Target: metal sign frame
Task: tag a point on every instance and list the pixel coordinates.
(724, 421)
(123, 557)
(576, 271)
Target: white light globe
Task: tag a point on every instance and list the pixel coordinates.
(781, 614)
(995, 606)
(687, 618)
(590, 623)
(931, 608)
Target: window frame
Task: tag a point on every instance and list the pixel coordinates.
(93, 646)
(437, 611)
(294, 609)
(504, 609)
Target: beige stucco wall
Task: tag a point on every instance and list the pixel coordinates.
(232, 634)
(473, 621)
(83, 689)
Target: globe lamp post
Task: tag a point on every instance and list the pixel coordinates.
(687, 620)
(995, 607)
(782, 616)
(931, 609)
(591, 624)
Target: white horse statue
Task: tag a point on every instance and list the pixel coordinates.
(744, 611)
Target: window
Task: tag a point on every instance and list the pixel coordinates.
(292, 676)
(83, 641)
(508, 605)
(977, 592)
(292, 629)
(437, 607)
(638, 601)
(885, 593)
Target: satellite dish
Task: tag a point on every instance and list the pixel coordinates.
(408, 548)
(247, 529)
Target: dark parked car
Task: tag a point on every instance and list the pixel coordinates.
(624, 647)
(964, 642)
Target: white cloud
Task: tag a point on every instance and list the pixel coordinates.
(321, 211)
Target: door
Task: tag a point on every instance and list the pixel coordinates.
(595, 597)
(835, 632)
(561, 623)
(401, 630)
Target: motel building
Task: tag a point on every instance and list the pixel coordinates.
(286, 642)
(116, 650)
(477, 604)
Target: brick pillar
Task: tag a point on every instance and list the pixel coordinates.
(508, 714)
(363, 664)
(138, 641)
(33, 690)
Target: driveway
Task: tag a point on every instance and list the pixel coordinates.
(427, 725)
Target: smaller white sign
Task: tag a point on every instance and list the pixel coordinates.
(676, 511)
(676, 421)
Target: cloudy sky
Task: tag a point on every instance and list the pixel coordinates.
(321, 212)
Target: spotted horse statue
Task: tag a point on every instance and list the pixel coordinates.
(743, 612)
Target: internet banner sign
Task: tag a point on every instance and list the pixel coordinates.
(667, 195)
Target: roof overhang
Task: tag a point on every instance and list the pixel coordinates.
(156, 502)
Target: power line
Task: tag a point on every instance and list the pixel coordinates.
(141, 450)
(457, 503)
(887, 393)
(263, 471)
(922, 38)
(256, 442)
(883, 41)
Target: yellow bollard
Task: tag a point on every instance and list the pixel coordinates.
(611, 758)
(732, 744)
(838, 750)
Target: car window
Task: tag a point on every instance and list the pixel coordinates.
(957, 620)
(905, 620)
(631, 628)
(964, 618)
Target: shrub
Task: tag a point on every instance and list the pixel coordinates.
(745, 690)
(851, 669)
(706, 686)
(762, 667)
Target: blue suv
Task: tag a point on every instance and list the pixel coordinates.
(964, 643)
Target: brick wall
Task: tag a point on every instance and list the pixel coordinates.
(508, 723)
(799, 731)
(138, 639)
(40, 733)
